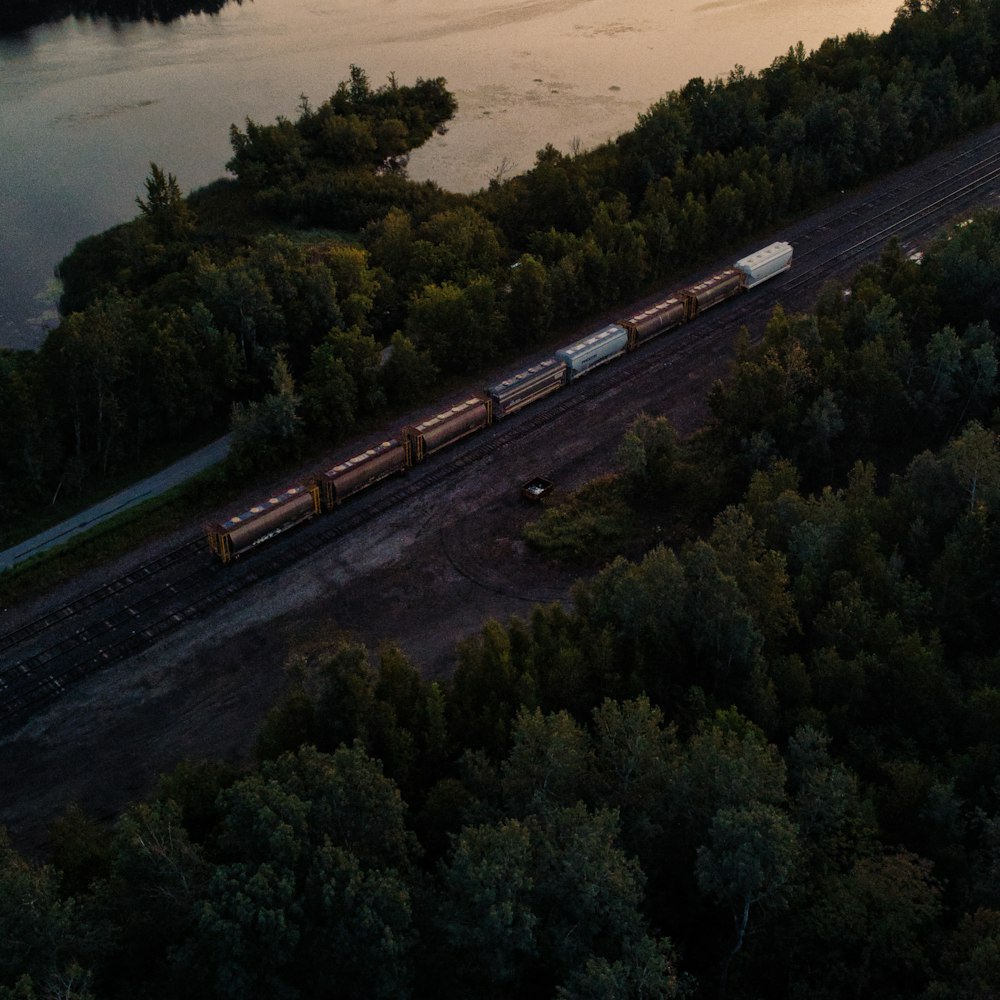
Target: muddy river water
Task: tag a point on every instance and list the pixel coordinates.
(86, 106)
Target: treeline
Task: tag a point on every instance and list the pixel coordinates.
(758, 761)
(19, 15)
(278, 323)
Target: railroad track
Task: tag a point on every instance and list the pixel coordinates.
(91, 598)
(129, 614)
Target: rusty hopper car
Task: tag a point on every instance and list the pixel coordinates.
(711, 292)
(361, 471)
(446, 428)
(597, 349)
(231, 538)
(765, 263)
(526, 386)
(658, 318)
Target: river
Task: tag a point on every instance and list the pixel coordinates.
(86, 106)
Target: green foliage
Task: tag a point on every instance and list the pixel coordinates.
(456, 326)
(546, 764)
(871, 919)
(342, 384)
(355, 284)
(310, 888)
(165, 209)
(34, 921)
(35, 12)
(80, 850)
(357, 129)
(970, 959)
(749, 861)
(340, 698)
(528, 304)
(194, 787)
(329, 394)
(457, 245)
(592, 523)
(646, 969)
(527, 903)
(157, 875)
(486, 918)
(633, 752)
(27, 445)
(409, 374)
(648, 455)
(270, 432)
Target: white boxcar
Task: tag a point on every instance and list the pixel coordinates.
(607, 343)
(765, 263)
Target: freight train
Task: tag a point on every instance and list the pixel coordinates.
(415, 442)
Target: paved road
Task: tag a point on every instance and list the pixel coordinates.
(153, 486)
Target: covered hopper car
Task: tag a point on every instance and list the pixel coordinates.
(764, 264)
(525, 387)
(653, 321)
(711, 292)
(416, 442)
(364, 470)
(446, 428)
(231, 538)
(595, 349)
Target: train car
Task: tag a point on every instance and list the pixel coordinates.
(231, 538)
(657, 319)
(711, 292)
(357, 473)
(446, 428)
(596, 349)
(525, 387)
(765, 263)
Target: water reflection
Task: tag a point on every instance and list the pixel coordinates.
(18, 18)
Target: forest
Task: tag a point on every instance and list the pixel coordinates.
(756, 757)
(757, 760)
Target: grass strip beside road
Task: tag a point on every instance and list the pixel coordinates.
(115, 536)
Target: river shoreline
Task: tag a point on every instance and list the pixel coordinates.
(86, 106)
